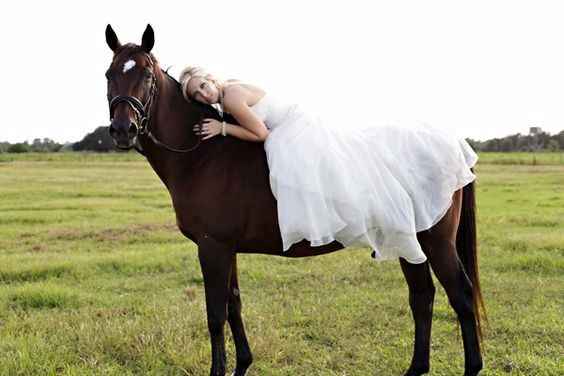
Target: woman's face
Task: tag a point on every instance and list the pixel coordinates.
(203, 90)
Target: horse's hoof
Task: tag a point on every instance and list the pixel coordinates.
(474, 370)
(417, 371)
(471, 373)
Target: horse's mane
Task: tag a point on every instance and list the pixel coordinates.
(200, 106)
(206, 108)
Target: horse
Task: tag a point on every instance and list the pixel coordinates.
(222, 199)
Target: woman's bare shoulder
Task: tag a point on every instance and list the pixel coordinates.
(237, 91)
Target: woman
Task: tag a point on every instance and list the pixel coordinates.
(376, 186)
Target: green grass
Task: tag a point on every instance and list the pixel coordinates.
(96, 280)
(523, 158)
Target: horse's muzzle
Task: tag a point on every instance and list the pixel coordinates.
(124, 134)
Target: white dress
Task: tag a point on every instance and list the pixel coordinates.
(373, 187)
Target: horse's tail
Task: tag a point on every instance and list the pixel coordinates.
(467, 248)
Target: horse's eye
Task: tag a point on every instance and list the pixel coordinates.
(108, 75)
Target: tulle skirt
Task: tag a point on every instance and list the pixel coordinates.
(374, 187)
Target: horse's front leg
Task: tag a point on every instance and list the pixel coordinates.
(244, 356)
(216, 261)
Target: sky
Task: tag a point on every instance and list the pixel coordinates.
(479, 69)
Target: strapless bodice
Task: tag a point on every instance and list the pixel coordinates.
(274, 111)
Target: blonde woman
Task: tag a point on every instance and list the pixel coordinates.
(234, 97)
(375, 187)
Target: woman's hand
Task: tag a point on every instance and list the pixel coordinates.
(209, 128)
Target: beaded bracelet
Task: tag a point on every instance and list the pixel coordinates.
(223, 132)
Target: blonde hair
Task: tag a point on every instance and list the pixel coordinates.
(195, 71)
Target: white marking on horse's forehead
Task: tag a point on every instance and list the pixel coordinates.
(128, 65)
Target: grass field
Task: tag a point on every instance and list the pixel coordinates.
(96, 280)
(523, 158)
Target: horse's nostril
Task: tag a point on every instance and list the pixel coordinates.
(132, 131)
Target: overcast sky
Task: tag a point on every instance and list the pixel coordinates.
(479, 68)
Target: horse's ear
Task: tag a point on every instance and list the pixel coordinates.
(112, 39)
(148, 40)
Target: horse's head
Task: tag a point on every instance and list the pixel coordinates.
(132, 86)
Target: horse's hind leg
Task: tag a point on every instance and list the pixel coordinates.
(443, 258)
(458, 287)
(449, 272)
(421, 297)
(244, 356)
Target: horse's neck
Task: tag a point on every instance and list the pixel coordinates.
(171, 123)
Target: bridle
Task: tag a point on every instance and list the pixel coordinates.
(143, 115)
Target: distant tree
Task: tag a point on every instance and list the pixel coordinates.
(46, 145)
(51, 145)
(522, 144)
(4, 147)
(560, 139)
(535, 142)
(21, 147)
(491, 145)
(506, 144)
(36, 145)
(552, 145)
(543, 139)
(99, 140)
(514, 141)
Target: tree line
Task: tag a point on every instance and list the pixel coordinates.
(542, 141)
(100, 141)
(38, 145)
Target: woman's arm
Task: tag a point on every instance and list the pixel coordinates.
(243, 133)
(212, 127)
(252, 127)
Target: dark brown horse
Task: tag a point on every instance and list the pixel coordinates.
(222, 198)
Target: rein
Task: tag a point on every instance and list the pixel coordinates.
(143, 116)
